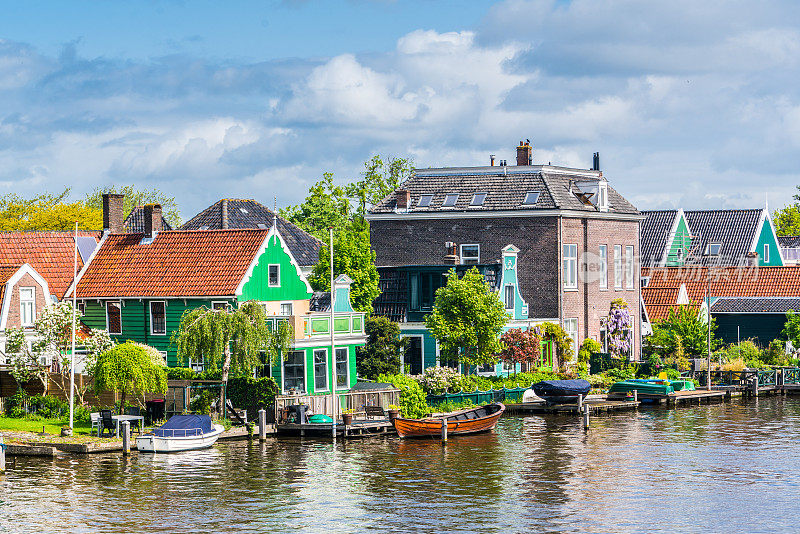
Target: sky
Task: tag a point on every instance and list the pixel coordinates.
(690, 104)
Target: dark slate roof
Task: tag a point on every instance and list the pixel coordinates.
(733, 229)
(251, 214)
(505, 189)
(320, 301)
(653, 235)
(789, 241)
(134, 223)
(755, 305)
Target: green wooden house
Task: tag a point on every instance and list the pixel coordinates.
(137, 286)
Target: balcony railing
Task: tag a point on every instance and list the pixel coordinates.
(318, 324)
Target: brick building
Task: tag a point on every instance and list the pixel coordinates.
(576, 237)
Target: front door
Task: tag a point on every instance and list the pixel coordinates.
(412, 363)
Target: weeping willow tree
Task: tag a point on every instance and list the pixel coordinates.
(130, 368)
(231, 339)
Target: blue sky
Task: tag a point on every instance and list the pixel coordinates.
(691, 104)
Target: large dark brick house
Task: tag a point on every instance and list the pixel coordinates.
(574, 237)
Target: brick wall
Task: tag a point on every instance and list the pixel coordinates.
(13, 309)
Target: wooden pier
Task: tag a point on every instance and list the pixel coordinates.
(357, 429)
(595, 405)
(683, 397)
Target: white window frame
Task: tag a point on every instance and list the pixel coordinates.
(291, 308)
(347, 367)
(602, 196)
(477, 258)
(575, 337)
(269, 281)
(150, 306)
(602, 252)
(618, 273)
(527, 197)
(493, 372)
(314, 373)
(81, 308)
(427, 204)
(108, 323)
(30, 302)
(766, 252)
(283, 372)
(569, 265)
(224, 303)
(475, 196)
(450, 195)
(708, 249)
(513, 297)
(630, 268)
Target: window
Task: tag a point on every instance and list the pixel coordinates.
(618, 266)
(531, 198)
(423, 288)
(509, 297)
(486, 369)
(320, 370)
(294, 370)
(27, 305)
(158, 320)
(414, 282)
(81, 308)
(603, 253)
(219, 305)
(196, 363)
(629, 267)
(286, 308)
(766, 252)
(571, 329)
(713, 249)
(470, 254)
(342, 368)
(274, 275)
(643, 281)
(477, 199)
(424, 201)
(570, 259)
(114, 317)
(679, 253)
(602, 196)
(450, 201)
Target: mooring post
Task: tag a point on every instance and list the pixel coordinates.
(755, 386)
(586, 417)
(635, 395)
(2, 455)
(262, 425)
(580, 403)
(444, 431)
(126, 437)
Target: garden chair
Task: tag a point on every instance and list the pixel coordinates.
(95, 417)
(374, 411)
(106, 423)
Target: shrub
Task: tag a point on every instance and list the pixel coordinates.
(252, 394)
(436, 380)
(201, 402)
(381, 354)
(588, 347)
(413, 401)
(180, 373)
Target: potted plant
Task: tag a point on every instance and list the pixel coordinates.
(393, 411)
(347, 417)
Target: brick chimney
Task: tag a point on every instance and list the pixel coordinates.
(525, 153)
(451, 253)
(112, 213)
(152, 220)
(224, 224)
(403, 197)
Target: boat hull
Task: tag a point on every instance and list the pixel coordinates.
(432, 426)
(151, 443)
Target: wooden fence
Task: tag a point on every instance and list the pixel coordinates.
(353, 400)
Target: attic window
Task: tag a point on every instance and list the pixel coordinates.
(204, 228)
(713, 249)
(274, 275)
(531, 198)
(450, 200)
(424, 201)
(477, 199)
(262, 226)
(602, 196)
(243, 211)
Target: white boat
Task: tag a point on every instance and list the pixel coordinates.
(181, 433)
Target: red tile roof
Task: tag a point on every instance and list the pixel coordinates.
(6, 272)
(177, 263)
(49, 253)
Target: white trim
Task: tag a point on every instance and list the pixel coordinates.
(618, 280)
(513, 297)
(630, 268)
(24, 269)
(283, 371)
(490, 214)
(765, 256)
(757, 234)
(347, 367)
(150, 310)
(671, 237)
(461, 253)
(108, 329)
(310, 342)
(282, 304)
(314, 369)
(225, 302)
(603, 282)
(567, 285)
(31, 300)
(249, 273)
(775, 236)
(86, 265)
(269, 282)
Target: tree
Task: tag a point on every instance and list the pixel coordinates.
(232, 340)
(787, 220)
(619, 332)
(467, 319)
(325, 206)
(682, 332)
(521, 346)
(353, 256)
(381, 177)
(381, 353)
(46, 212)
(22, 363)
(129, 369)
(791, 328)
(564, 351)
(137, 197)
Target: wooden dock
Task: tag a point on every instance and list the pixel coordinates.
(359, 429)
(595, 405)
(683, 397)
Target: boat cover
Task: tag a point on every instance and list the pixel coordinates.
(561, 388)
(184, 425)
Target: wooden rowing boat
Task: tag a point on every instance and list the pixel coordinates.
(470, 421)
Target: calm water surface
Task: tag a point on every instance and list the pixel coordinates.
(719, 468)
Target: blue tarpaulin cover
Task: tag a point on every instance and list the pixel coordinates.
(184, 425)
(562, 388)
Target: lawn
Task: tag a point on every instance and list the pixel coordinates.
(51, 426)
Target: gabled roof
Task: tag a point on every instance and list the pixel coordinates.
(735, 230)
(175, 264)
(789, 241)
(6, 272)
(49, 253)
(505, 188)
(654, 232)
(251, 214)
(134, 223)
(755, 305)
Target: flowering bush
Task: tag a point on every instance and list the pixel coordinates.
(618, 323)
(521, 346)
(438, 380)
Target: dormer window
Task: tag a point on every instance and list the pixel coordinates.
(450, 200)
(531, 198)
(713, 249)
(424, 201)
(477, 199)
(274, 275)
(602, 196)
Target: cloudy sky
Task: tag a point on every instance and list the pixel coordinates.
(690, 104)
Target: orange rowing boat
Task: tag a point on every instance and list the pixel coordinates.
(470, 421)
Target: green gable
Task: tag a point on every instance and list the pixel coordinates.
(681, 243)
(767, 237)
(292, 284)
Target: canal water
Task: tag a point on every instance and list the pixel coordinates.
(718, 468)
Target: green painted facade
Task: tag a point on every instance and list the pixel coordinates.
(292, 284)
(681, 243)
(767, 238)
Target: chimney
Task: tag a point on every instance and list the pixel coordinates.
(491, 160)
(403, 197)
(525, 153)
(451, 254)
(152, 220)
(596, 161)
(224, 224)
(112, 213)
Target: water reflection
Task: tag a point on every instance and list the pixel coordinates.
(722, 467)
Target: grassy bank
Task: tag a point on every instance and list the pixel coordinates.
(51, 426)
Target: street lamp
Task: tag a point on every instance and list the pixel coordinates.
(708, 254)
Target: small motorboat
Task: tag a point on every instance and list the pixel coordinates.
(469, 421)
(181, 433)
(652, 386)
(561, 391)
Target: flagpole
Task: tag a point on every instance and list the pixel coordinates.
(333, 348)
(72, 353)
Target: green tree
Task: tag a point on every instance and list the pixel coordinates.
(682, 332)
(22, 362)
(381, 176)
(46, 212)
(232, 340)
(381, 353)
(467, 319)
(787, 220)
(326, 206)
(791, 328)
(129, 369)
(353, 256)
(137, 197)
